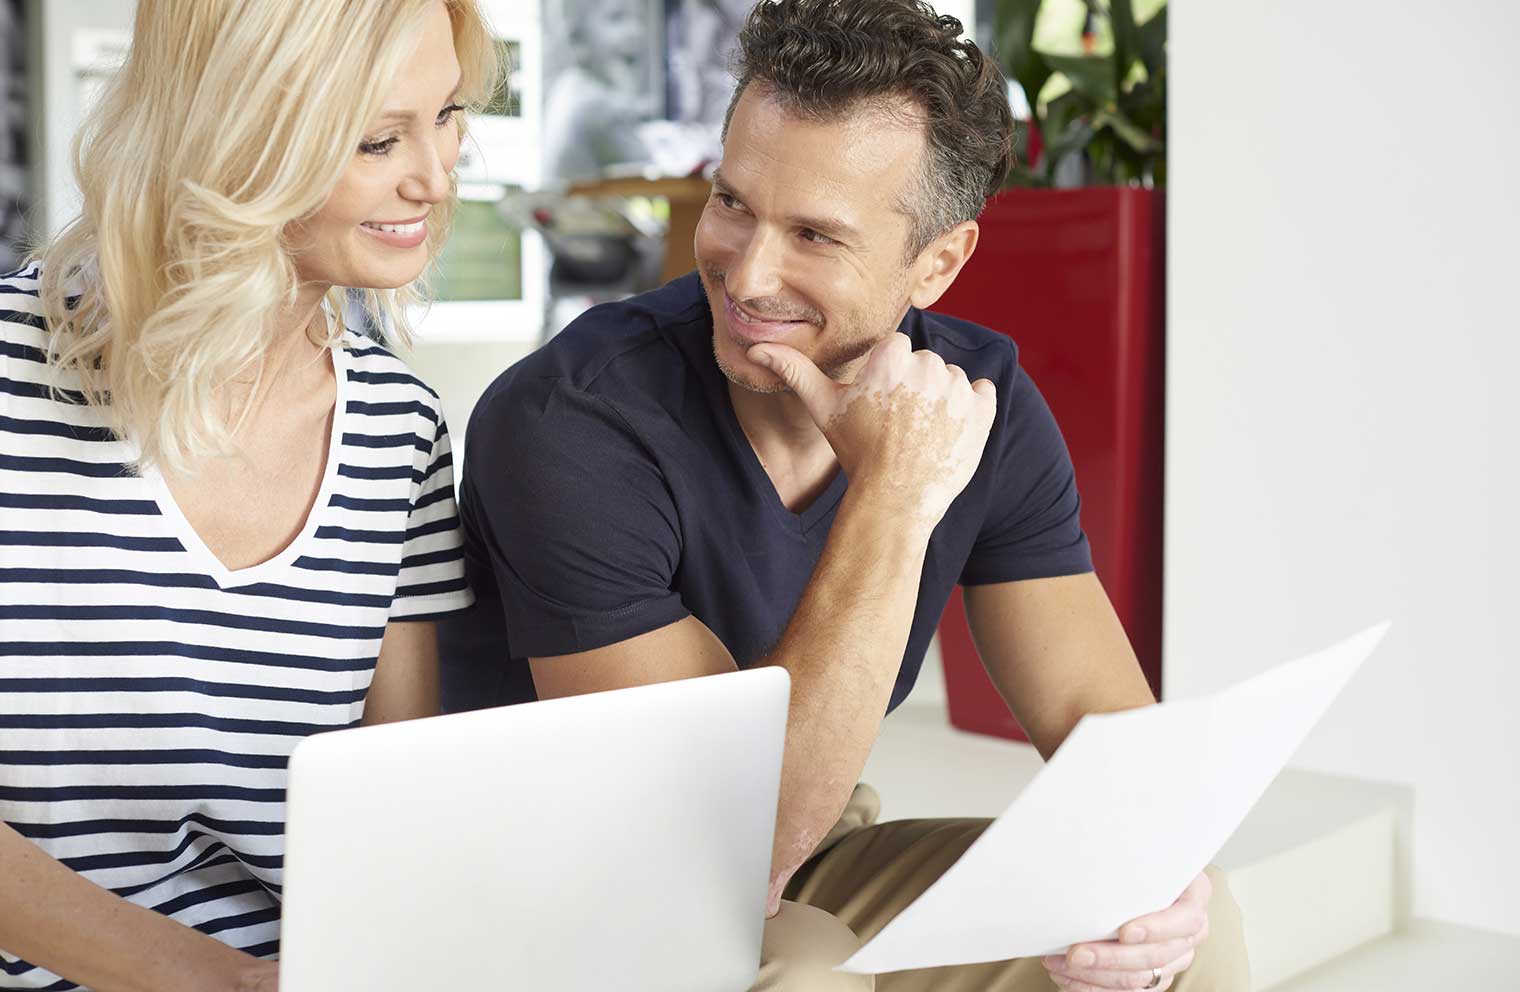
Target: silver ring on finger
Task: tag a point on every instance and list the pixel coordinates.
(1155, 979)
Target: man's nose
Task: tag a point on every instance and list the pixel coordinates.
(757, 272)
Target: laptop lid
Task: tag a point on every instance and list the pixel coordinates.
(613, 840)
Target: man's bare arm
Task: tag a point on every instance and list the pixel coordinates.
(842, 649)
(1055, 650)
(908, 451)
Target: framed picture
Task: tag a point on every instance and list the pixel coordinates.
(701, 37)
(492, 276)
(15, 187)
(602, 80)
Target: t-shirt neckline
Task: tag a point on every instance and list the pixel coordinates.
(819, 509)
(204, 560)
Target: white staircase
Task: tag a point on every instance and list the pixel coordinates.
(1320, 867)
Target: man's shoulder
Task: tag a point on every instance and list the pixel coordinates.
(982, 352)
(615, 353)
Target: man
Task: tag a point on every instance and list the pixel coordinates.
(782, 459)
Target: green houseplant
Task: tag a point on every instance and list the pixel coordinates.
(1101, 98)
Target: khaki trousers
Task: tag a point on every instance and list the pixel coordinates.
(865, 873)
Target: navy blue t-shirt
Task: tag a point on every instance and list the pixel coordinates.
(608, 491)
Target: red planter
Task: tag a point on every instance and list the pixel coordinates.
(1077, 278)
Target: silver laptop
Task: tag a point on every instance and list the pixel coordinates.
(620, 840)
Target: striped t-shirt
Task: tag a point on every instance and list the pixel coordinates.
(150, 697)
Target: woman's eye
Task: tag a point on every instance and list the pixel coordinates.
(447, 114)
(381, 146)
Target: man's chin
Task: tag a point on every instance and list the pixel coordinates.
(757, 381)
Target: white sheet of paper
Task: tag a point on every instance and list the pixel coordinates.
(1129, 810)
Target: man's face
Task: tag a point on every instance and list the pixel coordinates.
(802, 241)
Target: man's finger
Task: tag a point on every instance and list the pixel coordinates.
(813, 388)
(1184, 918)
(1127, 979)
(1076, 985)
(1113, 956)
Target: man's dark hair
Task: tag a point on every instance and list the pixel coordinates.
(824, 58)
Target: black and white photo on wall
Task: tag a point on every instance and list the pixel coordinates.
(13, 116)
(602, 81)
(700, 38)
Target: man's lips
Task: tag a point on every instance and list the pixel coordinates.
(748, 328)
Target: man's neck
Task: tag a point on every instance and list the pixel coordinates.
(775, 420)
(791, 448)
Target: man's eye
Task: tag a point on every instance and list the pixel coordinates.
(728, 201)
(818, 239)
(381, 146)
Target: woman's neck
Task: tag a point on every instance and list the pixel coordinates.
(291, 364)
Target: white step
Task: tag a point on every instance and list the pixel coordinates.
(1425, 957)
(1317, 870)
(1317, 866)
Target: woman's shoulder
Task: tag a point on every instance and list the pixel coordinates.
(378, 375)
(20, 296)
(24, 279)
(23, 334)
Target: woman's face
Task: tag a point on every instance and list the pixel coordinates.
(372, 233)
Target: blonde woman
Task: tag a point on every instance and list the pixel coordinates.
(225, 521)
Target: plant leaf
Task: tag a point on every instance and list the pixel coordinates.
(1153, 43)
(1121, 18)
(1091, 75)
(1125, 129)
(1013, 34)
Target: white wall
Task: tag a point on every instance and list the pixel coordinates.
(1343, 411)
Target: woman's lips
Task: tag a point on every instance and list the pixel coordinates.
(409, 234)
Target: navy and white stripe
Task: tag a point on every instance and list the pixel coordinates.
(150, 697)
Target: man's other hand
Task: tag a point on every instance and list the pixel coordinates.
(908, 432)
(1162, 943)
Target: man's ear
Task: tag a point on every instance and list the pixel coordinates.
(935, 269)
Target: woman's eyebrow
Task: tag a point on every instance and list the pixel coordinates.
(406, 115)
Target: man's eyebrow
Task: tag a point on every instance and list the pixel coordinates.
(406, 115)
(722, 184)
(831, 227)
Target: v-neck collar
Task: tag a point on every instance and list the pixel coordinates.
(695, 342)
(821, 507)
(203, 559)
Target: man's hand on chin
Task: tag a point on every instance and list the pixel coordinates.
(1149, 954)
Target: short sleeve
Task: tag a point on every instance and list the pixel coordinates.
(1032, 526)
(431, 582)
(573, 514)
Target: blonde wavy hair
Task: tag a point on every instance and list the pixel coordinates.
(229, 120)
